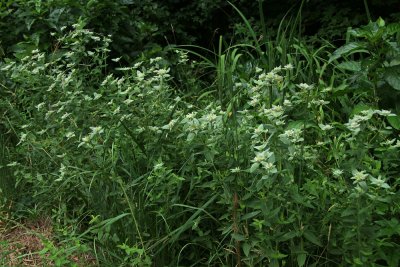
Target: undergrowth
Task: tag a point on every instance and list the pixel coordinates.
(266, 153)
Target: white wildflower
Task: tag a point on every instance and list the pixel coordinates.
(235, 170)
(96, 96)
(12, 164)
(262, 156)
(41, 132)
(96, 130)
(388, 142)
(116, 59)
(22, 138)
(69, 135)
(128, 101)
(337, 172)
(140, 75)
(66, 115)
(95, 38)
(359, 176)
(288, 67)
(379, 182)
(269, 167)
(287, 103)
(191, 115)
(291, 136)
(305, 86)
(325, 127)
(117, 110)
(384, 113)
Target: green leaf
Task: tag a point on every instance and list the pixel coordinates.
(394, 121)
(392, 77)
(350, 65)
(380, 22)
(246, 249)
(348, 49)
(301, 259)
(250, 215)
(190, 137)
(238, 237)
(254, 167)
(287, 236)
(360, 107)
(312, 238)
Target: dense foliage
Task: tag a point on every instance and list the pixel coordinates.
(274, 149)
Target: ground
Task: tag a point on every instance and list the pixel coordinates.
(20, 244)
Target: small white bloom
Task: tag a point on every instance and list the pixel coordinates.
(287, 103)
(305, 86)
(116, 111)
(96, 96)
(128, 101)
(359, 176)
(22, 138)
(262, 156)
(39, 106)
(277, 69)
(397, 145)
(138, 64)
(191, 115)
(140, 75)
(388, 142)
(158, 166)
(337, 173)
(269, 167)
(87, 98)
(288, 67)
(95, 38)
(116, 59)
(379, 182)
(69, 135)
(96, 130)
(325, 127)
(41, 132)
(210, 117)
(384, 113)
(235, 170)
(66, 115)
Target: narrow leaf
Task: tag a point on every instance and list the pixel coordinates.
(312, 238)
(350, 65)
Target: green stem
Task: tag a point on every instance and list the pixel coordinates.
(270, 97)
(133, 216)
(261, 11)
(367, 10)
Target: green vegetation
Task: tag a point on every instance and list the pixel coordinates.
(273, 146)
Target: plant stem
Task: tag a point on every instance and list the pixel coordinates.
(367, 10)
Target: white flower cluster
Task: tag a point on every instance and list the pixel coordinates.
(275, 114)
(264, 80)
(292, 136)
(183, 56)
(361, 176)
(264, 159)
(354, 124)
